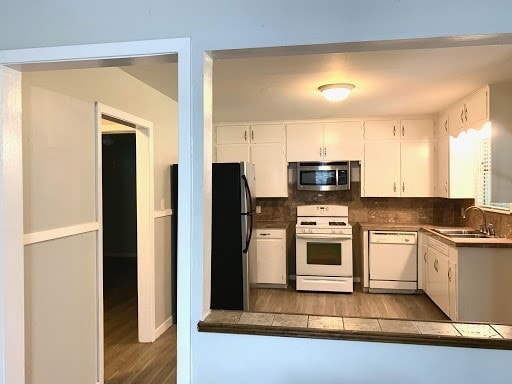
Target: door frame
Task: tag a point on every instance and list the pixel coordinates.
(12, 64)
(143, 130)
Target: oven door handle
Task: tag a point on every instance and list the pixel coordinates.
(322, 236)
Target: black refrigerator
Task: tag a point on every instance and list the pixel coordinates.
(174, 240)
(233, 205)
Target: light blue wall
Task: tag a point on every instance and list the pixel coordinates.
(227, 24)
(236, 359)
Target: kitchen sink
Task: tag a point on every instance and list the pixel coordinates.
(467, 235)
(453, 232)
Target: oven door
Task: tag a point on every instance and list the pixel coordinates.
(324, 255)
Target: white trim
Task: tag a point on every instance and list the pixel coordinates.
(99, 249)
(14, 213)
(145, 216)
(162, 213)
(164, 326)
(12, 288)
(58, 233)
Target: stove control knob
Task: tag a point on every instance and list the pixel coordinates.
(310, 231)
(333, 231)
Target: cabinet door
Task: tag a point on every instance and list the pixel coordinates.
(442, 126)
(232, 153)
(343, 140)
(267, 133)
(417, 169)
(381, 168)
(461, 177)
(417, 129)
(452, 291)
(381, 129)
(437, 279)
(422, 260)
(476, 108)
(232, 134)
(305, 142)
(271, 265)
(457, 120)
(271, 170)
(442, 166)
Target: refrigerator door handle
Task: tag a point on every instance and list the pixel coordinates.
(249, 213)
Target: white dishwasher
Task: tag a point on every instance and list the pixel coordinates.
(393, 261)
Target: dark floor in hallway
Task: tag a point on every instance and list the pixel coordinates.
(126, 360)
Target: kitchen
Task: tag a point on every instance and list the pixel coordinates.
(442, 190)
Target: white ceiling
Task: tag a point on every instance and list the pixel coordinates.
(388, 83)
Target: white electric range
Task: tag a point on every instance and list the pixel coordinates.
(324, 249)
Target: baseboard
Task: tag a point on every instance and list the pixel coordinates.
(164, 327)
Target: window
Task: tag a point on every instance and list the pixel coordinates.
(483, 150)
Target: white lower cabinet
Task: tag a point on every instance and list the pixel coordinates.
(269, 266)
(437, 279)
(470, 284)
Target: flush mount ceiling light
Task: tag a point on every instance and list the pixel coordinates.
(336, 92)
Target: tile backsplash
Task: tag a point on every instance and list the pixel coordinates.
(367, 209)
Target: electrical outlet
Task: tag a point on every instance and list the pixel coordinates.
(258, 209)
(162, 204)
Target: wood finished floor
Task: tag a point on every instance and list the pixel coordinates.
(126, 360)
(357, 304)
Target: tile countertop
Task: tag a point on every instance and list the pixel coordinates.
(493, 242)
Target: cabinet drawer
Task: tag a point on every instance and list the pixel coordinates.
(439, 246)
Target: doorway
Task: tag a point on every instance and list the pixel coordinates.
(119, 190)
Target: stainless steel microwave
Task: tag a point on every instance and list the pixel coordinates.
(334, 176)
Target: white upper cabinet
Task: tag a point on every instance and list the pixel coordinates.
(232, 134)
(267, 133)
(271, 169)
(381, 129)
(232, 153)
(409, 129)
(305, 142)
(381, 169)
(455, 177)
(329, 141)
(417, 129)
(260, 144)
(417, 169)
(442, 166)
(471, 112)
(343, 140)
(442, 126)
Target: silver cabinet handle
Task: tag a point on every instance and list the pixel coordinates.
(394, 186)
(425, 256)
(446, 125)
(252, 135)
(325, 152)
(462, 116)
(245, 135)
(403, 131)
(446, 186)
(466, 113)
(394, 130)
(320, 153)
(449, 274)
(403, 186)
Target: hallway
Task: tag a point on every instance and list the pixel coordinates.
(126, 360)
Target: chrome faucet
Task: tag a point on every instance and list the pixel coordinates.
(484, 228)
